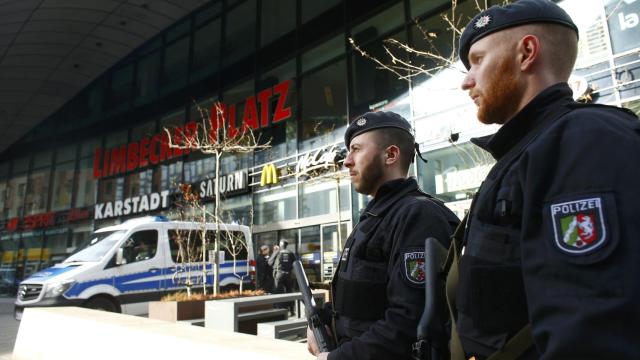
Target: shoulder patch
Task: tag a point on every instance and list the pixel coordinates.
(414, 269)
(579, 226)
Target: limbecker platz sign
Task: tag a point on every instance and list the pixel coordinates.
(156, 149)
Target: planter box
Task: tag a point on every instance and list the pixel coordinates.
(176, 310)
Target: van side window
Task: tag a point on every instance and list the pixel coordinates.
(186, 245)
(140, 246)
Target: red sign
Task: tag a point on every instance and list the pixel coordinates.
(125, 158)
(45, 220)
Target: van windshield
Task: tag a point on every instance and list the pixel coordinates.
(97, 247)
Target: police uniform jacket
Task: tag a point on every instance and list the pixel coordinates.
(553, 234)
(378, 287)
(264, 273)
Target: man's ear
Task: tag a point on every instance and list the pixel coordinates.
(392, 154)
(528, 51)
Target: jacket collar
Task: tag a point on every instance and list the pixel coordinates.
(388, 194)
(525, 121)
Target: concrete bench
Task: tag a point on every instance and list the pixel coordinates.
(290, 329)
(100, 335)
(227, 314)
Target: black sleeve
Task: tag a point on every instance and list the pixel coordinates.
(393, 336)
(580, 248)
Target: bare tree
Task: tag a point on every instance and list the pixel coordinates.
(212, 137)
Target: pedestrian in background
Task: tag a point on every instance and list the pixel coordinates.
(264, 276)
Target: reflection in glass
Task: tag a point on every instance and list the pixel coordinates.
(62, 186)
(37, 192)
(16, 191)
(453, 174)
(206, 48)
(278, 18)
(240, 32)
(320, 198)
(86, 189)
(275, 205)
(311, 9)
(324, 115)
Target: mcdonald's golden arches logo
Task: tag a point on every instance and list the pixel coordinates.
(269, 175)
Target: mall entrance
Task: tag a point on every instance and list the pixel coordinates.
(316, 246)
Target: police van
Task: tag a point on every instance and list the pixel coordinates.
(123, 267)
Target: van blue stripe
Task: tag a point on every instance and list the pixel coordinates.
(125, 283)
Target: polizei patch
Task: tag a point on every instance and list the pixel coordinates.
(579, 226)
(414, 267)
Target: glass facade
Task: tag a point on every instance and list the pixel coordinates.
(287, 69)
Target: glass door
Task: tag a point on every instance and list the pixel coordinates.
(332, 243)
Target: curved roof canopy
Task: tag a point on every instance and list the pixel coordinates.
(52, 49)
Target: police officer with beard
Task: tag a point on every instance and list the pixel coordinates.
(551, 260)
(378, 285)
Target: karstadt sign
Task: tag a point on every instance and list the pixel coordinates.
(131, 206)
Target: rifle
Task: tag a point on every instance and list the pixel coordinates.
(323, 339)
(433, 336)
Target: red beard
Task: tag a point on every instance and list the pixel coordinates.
(501, 97)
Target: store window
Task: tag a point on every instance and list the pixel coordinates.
(240, 32)
(168, 176)
(3, 199)
(120, 87)
(374, 88)
(31, 253)
(139, 183)
(147, 77)
(206, 49)
(234, 162)
(278, 17)
(454, 173)
(4, 173)
(199, 169)
(323, 117)
(275, 205)
(323, 53)
(281, 135)
(236, 210)
(311, 9)
(8, 252)
(235, 100)
(86, 188)
(321, 197)
(37, 191)
(62, 185)
(111, 190)
(55, 249)
(16, 191)
(209, 12)
(175, 67)
(420, 7)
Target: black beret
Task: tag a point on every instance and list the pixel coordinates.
(376, 120)
(498, 18)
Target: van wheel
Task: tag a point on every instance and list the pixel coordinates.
(100, 303)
